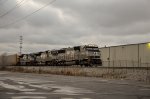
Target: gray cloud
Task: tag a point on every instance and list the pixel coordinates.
(74, 22)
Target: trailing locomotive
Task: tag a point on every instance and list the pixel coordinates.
(86, 55)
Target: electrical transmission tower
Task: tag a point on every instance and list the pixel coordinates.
(21, 39)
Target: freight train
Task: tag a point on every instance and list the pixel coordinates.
(85, 55)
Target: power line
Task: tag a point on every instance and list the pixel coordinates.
(28, 15)
(16, 6)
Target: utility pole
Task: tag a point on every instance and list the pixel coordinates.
(21, 39)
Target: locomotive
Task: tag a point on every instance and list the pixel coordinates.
(85, 55)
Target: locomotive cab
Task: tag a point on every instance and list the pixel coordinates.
(91, 55)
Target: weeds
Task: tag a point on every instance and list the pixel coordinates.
(87, 72)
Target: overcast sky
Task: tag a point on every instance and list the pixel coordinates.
(72, 22)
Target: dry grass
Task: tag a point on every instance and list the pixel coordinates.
(87, 72)
(66, 71)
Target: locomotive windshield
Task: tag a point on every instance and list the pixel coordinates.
(95, 49)
(92, 51)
